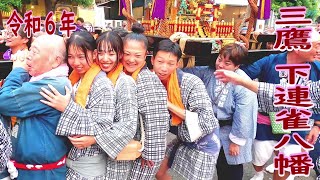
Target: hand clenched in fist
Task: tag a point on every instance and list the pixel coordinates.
(20, 58)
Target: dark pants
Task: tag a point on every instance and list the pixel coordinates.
(226, 171)
(174, 130)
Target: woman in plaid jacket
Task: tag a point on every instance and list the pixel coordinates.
(90, 111)
(152, 104)
(110, 51)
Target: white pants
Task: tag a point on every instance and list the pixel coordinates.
(262, 151)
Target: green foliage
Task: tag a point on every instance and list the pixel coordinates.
(311, 5)
(6, 5)
(85, 3)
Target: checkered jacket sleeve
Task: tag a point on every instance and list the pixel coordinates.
(152, 105)
(266, 97)
(196, 99)
(125, 121)
(5, 147)
(314, 89)
(96, 118)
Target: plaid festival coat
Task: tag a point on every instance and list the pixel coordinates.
(264, 70)
(266, 93)
(5, 146)
(190, 162)
(152, 105)
(95, 119)
(230, 102)
(315, 96)
(123, 130)
(266, 98)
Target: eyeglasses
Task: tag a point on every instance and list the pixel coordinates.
(89, 28)
(7, 34)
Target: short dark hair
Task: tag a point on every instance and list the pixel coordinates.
(23, 34)
(137, 35)
(168, 46)
(113, 42)
(80, 19)
(121, 32)
(83, 40)
(235, 52)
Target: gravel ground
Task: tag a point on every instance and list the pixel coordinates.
(248, 173)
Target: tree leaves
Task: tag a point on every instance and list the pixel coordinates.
(311, 5)
(7, 5)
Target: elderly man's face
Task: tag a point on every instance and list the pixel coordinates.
(312, 54)
(38, 60)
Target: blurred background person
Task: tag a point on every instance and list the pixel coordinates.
(80, 21)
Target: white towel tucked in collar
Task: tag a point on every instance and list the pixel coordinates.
(61, 70)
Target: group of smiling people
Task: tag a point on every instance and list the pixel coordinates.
(76, 126)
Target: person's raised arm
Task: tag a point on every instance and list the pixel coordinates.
(229, 76)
